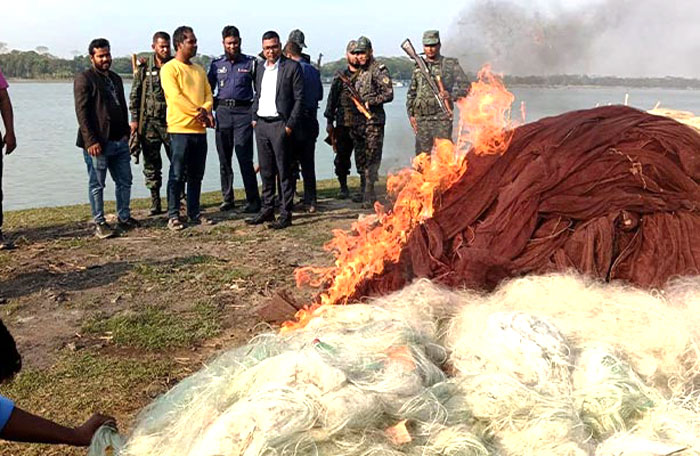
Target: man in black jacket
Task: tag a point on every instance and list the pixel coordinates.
(102, 114)
(279, 92)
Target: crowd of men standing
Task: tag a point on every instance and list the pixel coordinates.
(271, 98)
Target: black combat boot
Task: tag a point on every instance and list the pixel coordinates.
(344, 192)
(369, 196)
(359, 197)
(155, 202)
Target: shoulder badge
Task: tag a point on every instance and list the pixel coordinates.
(386, 80)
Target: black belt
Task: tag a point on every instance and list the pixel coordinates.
(231, 103)
(270, 119)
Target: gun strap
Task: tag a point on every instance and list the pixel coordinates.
(143, 101)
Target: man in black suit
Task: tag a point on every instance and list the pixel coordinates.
(279, 92)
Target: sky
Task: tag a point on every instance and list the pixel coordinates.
(598, 37)
(69, 25)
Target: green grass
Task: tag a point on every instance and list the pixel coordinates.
(81, 383)
(157, 328)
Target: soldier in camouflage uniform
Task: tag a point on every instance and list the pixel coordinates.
(373, 83)
(151, 123)
(342, 111)
(427, 118)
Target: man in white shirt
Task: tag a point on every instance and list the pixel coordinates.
(279, 93)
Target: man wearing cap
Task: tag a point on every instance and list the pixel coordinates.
(341, 115)
(147, 107)
(428, 120)
(373, 83)
(232, 77)
(297, 36)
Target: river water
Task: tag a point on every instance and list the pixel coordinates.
(48, 170)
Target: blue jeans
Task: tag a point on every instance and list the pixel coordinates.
(188, 159)
(115, 158)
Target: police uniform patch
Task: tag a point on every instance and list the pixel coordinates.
(222, 70)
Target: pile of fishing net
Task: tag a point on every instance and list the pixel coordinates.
(548, 365)
(611, 192)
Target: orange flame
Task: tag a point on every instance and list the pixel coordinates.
(376, 241)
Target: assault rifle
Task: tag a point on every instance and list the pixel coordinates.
(354, 95)
(423, 68)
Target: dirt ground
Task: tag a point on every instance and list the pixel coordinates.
(109, 325)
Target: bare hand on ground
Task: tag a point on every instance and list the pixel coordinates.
(85, 432)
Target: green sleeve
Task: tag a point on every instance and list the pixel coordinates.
(460, 89)
(411, 96)
(384, 92)
(135, 96)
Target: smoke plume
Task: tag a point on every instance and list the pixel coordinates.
(609, 37)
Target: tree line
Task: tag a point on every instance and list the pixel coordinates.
(42, 65)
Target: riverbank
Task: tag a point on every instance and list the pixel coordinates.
(109, 325)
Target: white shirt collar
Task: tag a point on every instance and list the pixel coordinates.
(274, 66)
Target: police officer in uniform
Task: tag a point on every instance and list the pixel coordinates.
(373, 83)
(428, 120)
(146, 91)
(340, 115)
(232, 77)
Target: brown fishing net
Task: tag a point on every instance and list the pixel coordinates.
(611, 192)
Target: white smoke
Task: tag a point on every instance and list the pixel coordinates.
(610, 37)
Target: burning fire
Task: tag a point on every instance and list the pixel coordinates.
(374, 242)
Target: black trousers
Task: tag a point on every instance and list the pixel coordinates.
(344, 146)
(275, 157)
(304, 152)
(234, 131)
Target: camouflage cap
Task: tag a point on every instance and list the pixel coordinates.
(431, 38)
(297, 36)
(352, 44)
(363, 45)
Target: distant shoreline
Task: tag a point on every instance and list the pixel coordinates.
(620, 85)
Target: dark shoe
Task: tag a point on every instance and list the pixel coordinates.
(261, 218)
(226, 206)
(360, 197)
(344, 193)
(311, 208)
(174, 224)
(128, 224)
(280, 224)
(104, 231)
(251, 209)
(201, 220)
(155, 202)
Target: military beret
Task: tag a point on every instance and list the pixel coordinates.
(431, 37)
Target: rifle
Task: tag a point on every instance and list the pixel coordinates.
(423, 68)
(318, 62)
(354, 95)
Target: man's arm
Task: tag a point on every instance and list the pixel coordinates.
(297, 93)
(461, 85)
(8, 120)
(385, 90)
(208, 95)
(135, 98)
(411, 100)
(83, 101)
(25, 427)
(333, 100)
(211, 76)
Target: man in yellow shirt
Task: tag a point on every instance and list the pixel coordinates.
(189, 101)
